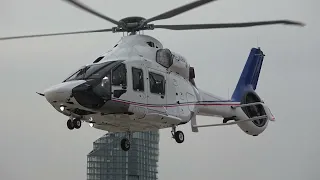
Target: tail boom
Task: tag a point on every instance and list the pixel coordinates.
(211, 105)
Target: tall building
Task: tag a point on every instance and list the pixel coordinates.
(107, 161)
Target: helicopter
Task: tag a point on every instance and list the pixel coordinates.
(139, 85)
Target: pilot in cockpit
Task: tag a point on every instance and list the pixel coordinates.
(119, 76)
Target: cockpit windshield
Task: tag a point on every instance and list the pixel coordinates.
(93, 71)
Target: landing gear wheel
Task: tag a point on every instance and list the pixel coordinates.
(70, 124)
(77, 123)
(125, 144)
(179, 136)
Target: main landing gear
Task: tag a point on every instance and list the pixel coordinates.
(74, 123)
(125, 142)
(177, 135)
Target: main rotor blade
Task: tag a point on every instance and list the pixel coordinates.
(227, 25)
(86, 8)
(178, 10)
(55, 34)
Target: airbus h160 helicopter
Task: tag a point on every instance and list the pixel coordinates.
(139, 85)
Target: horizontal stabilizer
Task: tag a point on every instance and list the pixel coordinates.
(231, 123)
(269, 115)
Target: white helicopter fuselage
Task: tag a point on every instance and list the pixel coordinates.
(141, 86)
(148, 88)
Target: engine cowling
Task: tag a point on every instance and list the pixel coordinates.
(255, 127)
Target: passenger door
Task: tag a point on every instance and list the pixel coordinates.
(119, 81)
(157, 91)
(138, 93)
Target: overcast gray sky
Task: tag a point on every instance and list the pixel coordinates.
(36, 144)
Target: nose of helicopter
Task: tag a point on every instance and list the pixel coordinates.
(61, 92)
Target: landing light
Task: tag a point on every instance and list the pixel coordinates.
(91, 124)
(62, 108)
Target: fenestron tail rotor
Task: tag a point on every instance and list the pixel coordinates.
(134, 24)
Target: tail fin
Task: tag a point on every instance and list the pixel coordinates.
(250, 74)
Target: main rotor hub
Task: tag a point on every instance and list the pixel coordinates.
(132, 19)
(133, 24)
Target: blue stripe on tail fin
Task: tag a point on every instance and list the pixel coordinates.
(250, 74)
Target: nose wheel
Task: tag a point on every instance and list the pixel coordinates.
(74, 124)
(177, 135)
(125, 143)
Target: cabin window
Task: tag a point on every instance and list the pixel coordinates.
(137, 79)
(157, 83)
(119, 76)
(164, 57)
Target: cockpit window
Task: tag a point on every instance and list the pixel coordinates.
(75, 75)
(94, 71)
(119, 76)
(98, 59)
